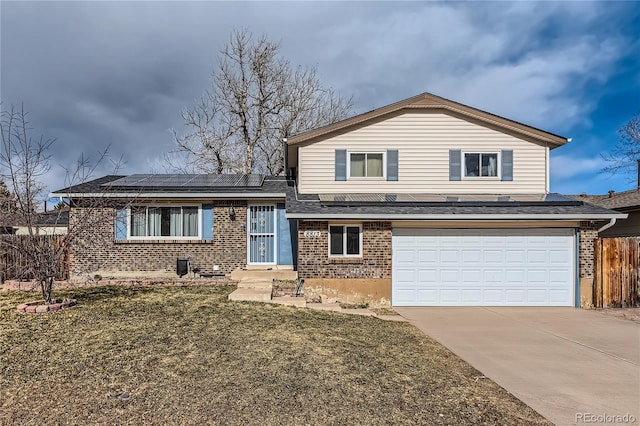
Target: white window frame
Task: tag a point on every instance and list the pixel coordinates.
(160, 237)
(344, 240)
(384, 165)
(498, 175)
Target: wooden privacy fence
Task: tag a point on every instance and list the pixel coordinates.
(14, 263)
(617, 272)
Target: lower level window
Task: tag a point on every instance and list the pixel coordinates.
(345, 240)
(151, 221)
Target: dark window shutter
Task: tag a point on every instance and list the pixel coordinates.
(207, 221)
(341, 164)
(455, 164)
(507, 164)
(120, 224)
(392, 164)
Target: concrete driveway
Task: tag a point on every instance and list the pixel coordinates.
(559, 361)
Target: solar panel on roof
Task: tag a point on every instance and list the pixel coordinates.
(189, 180)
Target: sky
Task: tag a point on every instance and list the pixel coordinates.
(118, 74)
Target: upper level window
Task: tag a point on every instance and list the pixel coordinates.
(164, 222)
(366, 164)
(483, 164)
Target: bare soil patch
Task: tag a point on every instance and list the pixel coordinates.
(631, 314)
(186, 355)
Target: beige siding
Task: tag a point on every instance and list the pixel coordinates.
(423, 141)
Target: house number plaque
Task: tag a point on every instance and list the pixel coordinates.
(312, 234)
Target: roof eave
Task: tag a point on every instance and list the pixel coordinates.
(439, 103)
(455, 217)
(170, 195)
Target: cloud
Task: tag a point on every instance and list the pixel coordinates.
(563, 166)
(98, 74)
(575, 175)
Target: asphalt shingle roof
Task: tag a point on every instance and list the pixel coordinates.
(626, 200)
(310, 204)
(105, 186)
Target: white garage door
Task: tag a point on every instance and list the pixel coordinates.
(483, 267)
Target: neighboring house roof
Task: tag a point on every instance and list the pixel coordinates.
(53, 218)
(552, 207)
(623, 201)
(179, 186)
(428, 101)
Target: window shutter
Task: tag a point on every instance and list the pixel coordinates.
(207, 221)
(392, 164)
(455, 164)
(507, 164)
(120, 223)
(341, 164)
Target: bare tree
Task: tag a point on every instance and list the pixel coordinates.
(256, 99)
(625, 155)
(24, 161)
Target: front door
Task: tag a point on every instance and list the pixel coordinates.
(261, 235)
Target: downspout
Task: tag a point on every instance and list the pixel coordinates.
(608, 225)
(285, 157)
(546, 168)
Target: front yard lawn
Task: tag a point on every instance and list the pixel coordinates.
(185, 355)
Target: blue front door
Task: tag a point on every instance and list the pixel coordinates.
(261, 234)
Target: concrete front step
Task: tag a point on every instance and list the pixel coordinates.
(290, 301)
(255, 283)
(260, 274)
(251, 295)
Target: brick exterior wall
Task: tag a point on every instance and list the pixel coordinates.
(97, 251)
(588, 233)
(314, 261)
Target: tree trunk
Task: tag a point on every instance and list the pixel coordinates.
(46, 285)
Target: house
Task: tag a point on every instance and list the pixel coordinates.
(140, 225)
(429, 202)
(424, 202)
(625, 202)
(54, 222)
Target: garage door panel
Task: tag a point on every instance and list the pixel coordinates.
(493, 296)
(515, 296)
(558, 296)
(405, 278)
(428, 276)
(471, 295)
(449, 256)
(536, 256)
(471, 277)
(428, 296)
(514, 276)
(404, 297)
(514, 256)
(493, 276)
(536, 277)
(450, 295)
(449, 276)
(558, 257)
(474, 267)
(427, 257)
(493, 256)
(559, 276)
(472, 257)
(405, 256)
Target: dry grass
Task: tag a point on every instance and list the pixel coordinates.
(185, 355)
